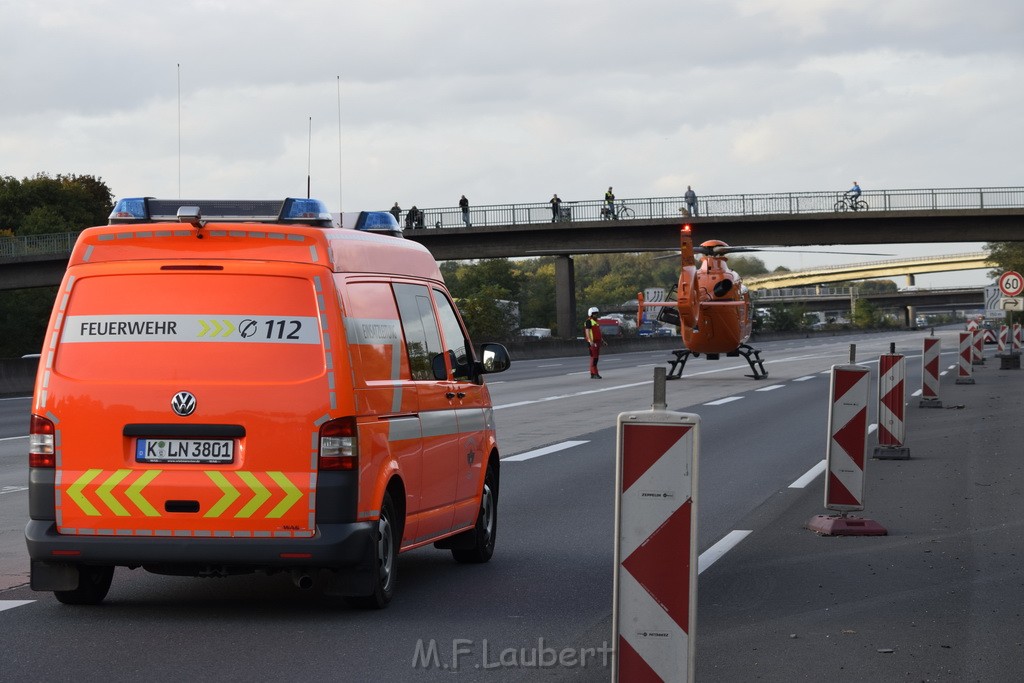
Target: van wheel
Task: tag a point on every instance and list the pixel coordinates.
(485, 533)
(388, 540)
(93, 584)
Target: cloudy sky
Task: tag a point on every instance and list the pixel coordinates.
(512, 101)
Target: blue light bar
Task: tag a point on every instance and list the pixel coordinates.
(130, 209)
(304, 210)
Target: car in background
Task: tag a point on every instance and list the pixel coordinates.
(650, 329)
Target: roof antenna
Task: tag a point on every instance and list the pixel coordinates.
(179, 130)
(309, 156)
(339, 144)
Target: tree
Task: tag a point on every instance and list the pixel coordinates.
(877, 287)
(747, 266)
(1006, 256)
(39, 205)
(60, 204)
(486, 315)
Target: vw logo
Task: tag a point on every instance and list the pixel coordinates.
(183, 403)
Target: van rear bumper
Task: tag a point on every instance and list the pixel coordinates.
(334, 546)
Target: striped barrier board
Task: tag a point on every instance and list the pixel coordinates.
(654, 602)
(964, 369)
(846, 455)
(892, 427)
(1002, 339)
(930, 373)
(1018, 341)
(978, 347)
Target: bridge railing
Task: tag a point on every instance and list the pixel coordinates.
(662, 208)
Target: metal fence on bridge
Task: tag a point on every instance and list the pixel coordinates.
(17, 248)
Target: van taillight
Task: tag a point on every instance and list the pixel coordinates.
(40, 443)
(339, 445)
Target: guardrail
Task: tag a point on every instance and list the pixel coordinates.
(16, 248)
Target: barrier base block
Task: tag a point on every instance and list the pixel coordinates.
(965, 380)
(838, 525)
(1009, 362)
(892, 452)
(930, 403)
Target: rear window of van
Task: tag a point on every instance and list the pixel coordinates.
(190, 325)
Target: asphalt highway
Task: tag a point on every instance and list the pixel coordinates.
(936, 599)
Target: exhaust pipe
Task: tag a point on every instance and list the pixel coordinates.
(302, 579)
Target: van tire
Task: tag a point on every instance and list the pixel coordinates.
(93, 584)
(485, 533)
(387, 540)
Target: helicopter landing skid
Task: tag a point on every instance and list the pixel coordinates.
(752, 356)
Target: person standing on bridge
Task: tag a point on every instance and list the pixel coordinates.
(609, 205)
(396, 211)
(556, 208)
(592, 331)
(464, 205)
(691, 201)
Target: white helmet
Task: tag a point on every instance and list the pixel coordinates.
(593, 310)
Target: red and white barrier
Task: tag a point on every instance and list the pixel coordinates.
(978, 347)
(1002, 339)
(930, 373)
(892, 428)
(654, 610)
(964, 369)
(846, 455)
(1018, 341)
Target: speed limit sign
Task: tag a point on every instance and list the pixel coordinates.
(1011, 283)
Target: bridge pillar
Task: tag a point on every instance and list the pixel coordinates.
(565, 297)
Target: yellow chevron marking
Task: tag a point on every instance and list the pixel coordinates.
(257, 488)
(75, 493)
(134, 493)
(229, 328)
(230, 494)
(206, 328)
(104, 491)
(216, 328)
(292, 494)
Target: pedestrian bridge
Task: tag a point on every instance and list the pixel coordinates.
(526, 229)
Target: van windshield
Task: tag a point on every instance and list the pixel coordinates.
(191, 325)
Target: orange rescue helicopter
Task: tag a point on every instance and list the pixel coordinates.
(712, 307)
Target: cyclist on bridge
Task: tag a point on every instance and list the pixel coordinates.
(854, 192)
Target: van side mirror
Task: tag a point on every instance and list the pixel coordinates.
(494, 358)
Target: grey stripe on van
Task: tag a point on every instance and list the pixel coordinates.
(439, 423)
(471, 419)
(404, 429)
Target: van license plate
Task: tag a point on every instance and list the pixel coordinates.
(184, 450)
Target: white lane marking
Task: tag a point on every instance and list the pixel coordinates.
(872, 427)
(715, 552)
(12, 438)
(543, 451)
(552, 365)
(951, 367)
(809, 476)
(918, 392)
(804, 378)
(11, 604)
(773, 387)
(723, 401)
(16, 398)
(572, 395)
(12, 489)
(943, 373)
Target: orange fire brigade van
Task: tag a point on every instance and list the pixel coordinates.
(229, 387)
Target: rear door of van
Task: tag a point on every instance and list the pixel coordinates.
(186, 398)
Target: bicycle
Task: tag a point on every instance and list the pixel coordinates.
(849, 203)
(617, 212)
